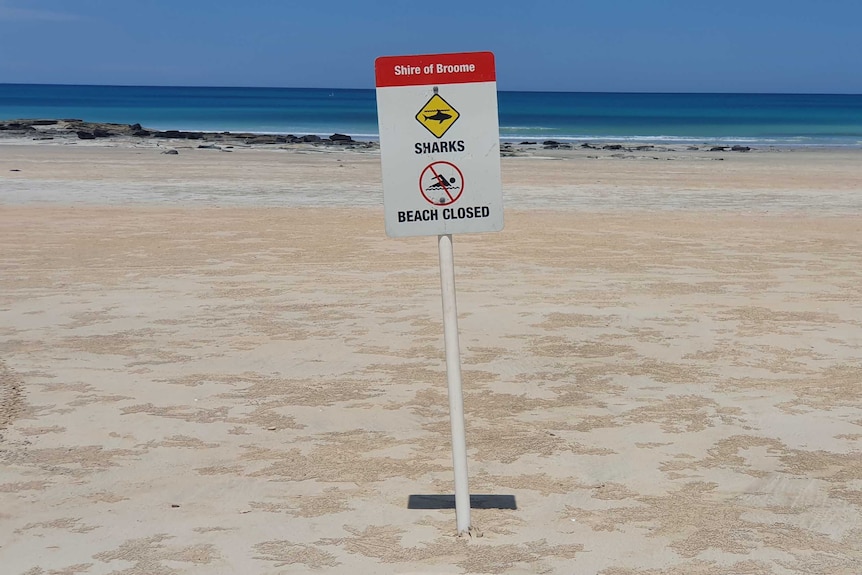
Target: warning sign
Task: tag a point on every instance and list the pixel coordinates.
(439, 133)
(437, 116)
(441, 183)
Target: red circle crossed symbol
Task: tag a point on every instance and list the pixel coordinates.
(441, 183)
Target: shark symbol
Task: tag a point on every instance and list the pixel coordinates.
(439, 115)
(436, 116)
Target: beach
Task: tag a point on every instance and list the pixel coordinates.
(215, 361)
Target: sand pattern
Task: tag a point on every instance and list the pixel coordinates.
(230, 390)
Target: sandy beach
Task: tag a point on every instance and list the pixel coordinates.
(217, 363)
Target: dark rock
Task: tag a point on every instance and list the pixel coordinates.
(171, 152)
(43, 122)
(169, 134)
(644, 148)
(310, 138)
(180, 135)
(589, 146)
(18, 126)
(136, 127)
(527, 144)
(740, 149)
(100, 133)
(86, 135)
(340, 138)
(142, 133)
(612, 147)
(718, 149)
(262, 140)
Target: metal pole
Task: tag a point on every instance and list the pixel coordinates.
(453, 374)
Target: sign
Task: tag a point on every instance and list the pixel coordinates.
(437, 115)
(437, 110)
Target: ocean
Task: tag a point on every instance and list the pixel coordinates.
(752, 119)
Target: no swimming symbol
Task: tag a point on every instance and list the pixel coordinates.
(441, 183)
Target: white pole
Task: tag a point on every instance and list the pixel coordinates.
(453, 374)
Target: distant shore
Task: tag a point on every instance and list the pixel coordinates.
(72, 131)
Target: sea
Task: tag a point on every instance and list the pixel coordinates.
(827, 120)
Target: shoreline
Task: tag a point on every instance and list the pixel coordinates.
(70, 130)
(129, 171)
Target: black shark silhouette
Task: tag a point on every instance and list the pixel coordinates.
(440, 115)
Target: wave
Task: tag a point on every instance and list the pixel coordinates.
(800, 141)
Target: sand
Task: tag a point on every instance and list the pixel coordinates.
(217, 363)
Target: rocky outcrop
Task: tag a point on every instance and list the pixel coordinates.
(45, 129)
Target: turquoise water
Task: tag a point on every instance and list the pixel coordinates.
(756, 119)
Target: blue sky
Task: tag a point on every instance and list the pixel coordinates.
(797, 46)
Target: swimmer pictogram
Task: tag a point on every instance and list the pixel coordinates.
(441, 183)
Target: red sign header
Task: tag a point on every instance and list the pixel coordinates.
(428, 69)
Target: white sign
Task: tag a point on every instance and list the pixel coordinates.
(439, 144)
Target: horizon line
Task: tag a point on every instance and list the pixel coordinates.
(646, 92)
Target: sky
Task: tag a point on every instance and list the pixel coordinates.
(779, 46)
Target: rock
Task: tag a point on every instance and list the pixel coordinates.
(644, 148)
(740, 149)
(718, 149)
(310, 138)
(171, 152)
(340, 138)
(100, 133)
(261, 140)
(180, 135)
(169, 134)
(589, 146)
(43, 122)
(139, 131)
(612, 147)
(527, 143)
(82, 135)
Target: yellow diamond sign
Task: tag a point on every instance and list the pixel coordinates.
(437, 116)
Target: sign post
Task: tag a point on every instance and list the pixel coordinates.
(440, 155)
